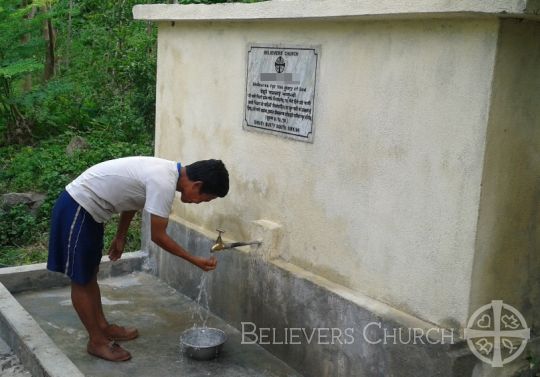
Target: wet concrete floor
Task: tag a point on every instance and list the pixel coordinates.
(161, 314)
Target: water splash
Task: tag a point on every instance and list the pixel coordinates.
(203, 338)
(150, 264)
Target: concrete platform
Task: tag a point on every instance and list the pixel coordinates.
(161, 314)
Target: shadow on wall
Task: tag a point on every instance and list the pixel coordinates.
(507, 264)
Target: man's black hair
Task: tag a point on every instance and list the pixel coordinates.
(213, 175)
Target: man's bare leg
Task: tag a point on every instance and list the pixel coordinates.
(87, 302)
(93, 290)
(112, 332)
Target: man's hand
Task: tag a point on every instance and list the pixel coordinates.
(158, 231)
(206, 264)
(117, 248)
(119, 242)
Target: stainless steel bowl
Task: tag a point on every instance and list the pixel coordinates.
(203, 343)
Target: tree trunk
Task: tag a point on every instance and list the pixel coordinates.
(49, 35)
(27, 82)
(68, 43)
(18, 130)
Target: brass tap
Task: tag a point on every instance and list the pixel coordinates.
(218, 245)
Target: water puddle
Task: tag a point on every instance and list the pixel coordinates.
(127, 281)
(104, 301)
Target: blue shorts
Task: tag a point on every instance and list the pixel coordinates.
(75, 241)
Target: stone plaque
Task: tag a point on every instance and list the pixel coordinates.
(280, 90)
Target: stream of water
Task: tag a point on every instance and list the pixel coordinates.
(257, 262)
(201, 310)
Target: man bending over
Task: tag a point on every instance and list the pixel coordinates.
(123, 186)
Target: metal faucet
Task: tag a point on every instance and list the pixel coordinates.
(220, 245)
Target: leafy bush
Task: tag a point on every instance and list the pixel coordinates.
(47, 168)
(17, 226)
(14, 256)
(103, 89)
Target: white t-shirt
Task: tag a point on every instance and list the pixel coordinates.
(126, 184)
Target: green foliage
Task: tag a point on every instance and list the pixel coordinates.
(113, 59)
(14, 256)
(59, 105)
(16, 226)
(103, 89)
(19, 67)
(17, 25)
(47, 168)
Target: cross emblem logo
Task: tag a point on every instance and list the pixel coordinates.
(279, 64)
(497, 333)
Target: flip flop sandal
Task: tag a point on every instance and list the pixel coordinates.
(114, 353)
(130, 333)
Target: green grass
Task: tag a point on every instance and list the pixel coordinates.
(15, 256)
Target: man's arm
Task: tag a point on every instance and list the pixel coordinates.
(158, 229)
(118, 243)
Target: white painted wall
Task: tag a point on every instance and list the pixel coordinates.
(385, 201)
